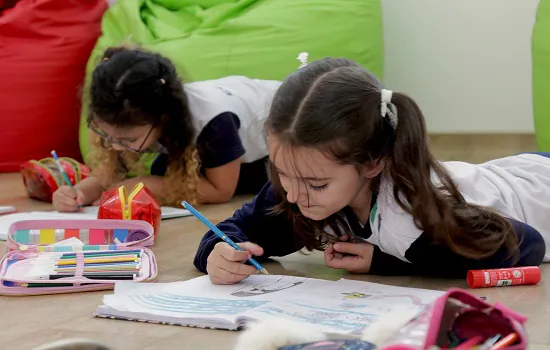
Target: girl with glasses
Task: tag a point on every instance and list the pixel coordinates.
(208, 135)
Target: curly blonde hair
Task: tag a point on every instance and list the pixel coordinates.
(111, 166)
(132, 87)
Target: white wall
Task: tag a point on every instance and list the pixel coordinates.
(467, 63)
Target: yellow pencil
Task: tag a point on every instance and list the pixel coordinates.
(93, 261)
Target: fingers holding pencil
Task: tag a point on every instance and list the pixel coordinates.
(226, 265)
(67, 199)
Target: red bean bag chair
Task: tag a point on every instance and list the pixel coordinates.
(44, 48)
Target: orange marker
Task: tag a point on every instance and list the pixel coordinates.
(504, 342)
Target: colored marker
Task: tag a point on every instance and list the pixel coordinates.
(222, 235)
(62, 171)
(42, 285)
(504, 342)
(98, 277)
(470, 343)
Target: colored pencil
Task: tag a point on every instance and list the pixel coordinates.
(100, 253)
(489, 342)
(100, 260)
(222, 235)
(62, 171)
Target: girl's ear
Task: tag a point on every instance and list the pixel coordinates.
(373, 169)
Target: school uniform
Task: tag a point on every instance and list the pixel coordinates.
(517, 187)
(228, 116)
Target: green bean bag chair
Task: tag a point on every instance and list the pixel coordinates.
(541, 75)
(209, 39)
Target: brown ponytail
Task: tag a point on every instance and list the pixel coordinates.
(439, 209)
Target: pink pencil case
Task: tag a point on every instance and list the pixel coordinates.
(30, 241)
(459, 314)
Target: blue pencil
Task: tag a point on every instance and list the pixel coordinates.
(61, 170)
(222, 235)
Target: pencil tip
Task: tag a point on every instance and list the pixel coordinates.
(264, 271)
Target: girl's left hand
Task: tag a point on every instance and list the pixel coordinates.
(353, 257)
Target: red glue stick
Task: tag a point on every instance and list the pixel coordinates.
(503, 277)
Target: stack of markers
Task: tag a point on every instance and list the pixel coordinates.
(100, 265)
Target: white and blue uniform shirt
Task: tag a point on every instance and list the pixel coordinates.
(517, 187)
(229, 116)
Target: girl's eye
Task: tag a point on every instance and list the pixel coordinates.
(318, 188)
(280, 174)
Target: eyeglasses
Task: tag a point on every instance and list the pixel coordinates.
(112, 141)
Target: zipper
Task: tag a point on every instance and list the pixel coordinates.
(126, 202)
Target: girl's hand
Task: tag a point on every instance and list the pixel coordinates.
(353, 257)
(67, 199)
(226, 265)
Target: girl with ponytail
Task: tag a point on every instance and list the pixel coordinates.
(352, 174)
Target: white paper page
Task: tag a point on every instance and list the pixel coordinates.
(170, 213)
(256, 287)
(6, 209)
(200, 299)
(347, 307)
(374, 294)
(341, 307)
(178, 300)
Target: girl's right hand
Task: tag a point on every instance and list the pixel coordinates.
(67, 199)
(226, 265)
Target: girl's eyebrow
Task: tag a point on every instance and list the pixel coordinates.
(308, 178)
(316, 178)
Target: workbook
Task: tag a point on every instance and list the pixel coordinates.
(337, 307)
(86, 213)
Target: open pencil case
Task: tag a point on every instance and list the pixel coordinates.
(66, 256)
(457, 317)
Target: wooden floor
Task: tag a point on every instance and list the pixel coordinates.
(26, 322)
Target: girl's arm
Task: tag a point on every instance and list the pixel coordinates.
(220, 151)
(219, 184)
(253, 223)
(154, 183)
(91, 189)
(427, 258)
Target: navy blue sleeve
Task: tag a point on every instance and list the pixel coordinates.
(253, 223)
(219, 142)
(429, 259)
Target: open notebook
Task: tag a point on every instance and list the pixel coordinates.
(341, 307)
(86, 213)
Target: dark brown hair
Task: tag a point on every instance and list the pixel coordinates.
(334, 106)
(133, 87)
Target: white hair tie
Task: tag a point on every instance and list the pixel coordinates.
(302, 57)
(387, 108)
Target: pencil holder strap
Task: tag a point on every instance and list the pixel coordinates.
(79, 271)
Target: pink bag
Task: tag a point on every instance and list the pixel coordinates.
(464, 316)
(32, 239)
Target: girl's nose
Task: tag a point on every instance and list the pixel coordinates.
(292, 196)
